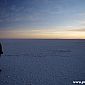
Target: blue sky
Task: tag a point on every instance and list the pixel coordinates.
(42, 18)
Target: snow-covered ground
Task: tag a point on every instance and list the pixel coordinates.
(42, 62)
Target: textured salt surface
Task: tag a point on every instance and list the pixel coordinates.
(42, 62)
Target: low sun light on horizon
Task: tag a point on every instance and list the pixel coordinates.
(43, 34)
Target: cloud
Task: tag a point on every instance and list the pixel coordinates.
(79, 30)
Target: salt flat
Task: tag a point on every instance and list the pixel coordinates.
(42, 62)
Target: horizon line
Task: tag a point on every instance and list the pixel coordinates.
(43, 38)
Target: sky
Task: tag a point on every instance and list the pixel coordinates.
(42, 19)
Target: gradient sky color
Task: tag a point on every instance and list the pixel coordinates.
(63, 19)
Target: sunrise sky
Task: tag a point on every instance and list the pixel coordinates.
(42, 19)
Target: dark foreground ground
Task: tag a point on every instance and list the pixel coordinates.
(42, 62)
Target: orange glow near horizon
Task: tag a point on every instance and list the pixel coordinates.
(43, 35)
